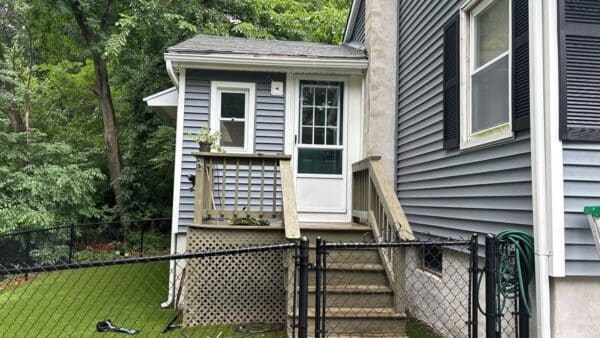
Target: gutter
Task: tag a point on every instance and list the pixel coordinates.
(350, 65)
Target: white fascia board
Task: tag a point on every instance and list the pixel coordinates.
(351, 20)
(165, 98)
(268, 63)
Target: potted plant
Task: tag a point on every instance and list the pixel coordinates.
(207, 140)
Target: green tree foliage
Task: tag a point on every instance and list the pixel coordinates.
(47, 79)
(44, 183)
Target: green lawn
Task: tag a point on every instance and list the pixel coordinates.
(70, 303)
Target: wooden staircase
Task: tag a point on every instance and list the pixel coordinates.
(360, 300)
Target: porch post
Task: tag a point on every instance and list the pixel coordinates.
(199, 189)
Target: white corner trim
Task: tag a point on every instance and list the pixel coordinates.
(351, 20)
(266, 62)
(248, 87)
(289, 125)
(554, 146)
(178, 154)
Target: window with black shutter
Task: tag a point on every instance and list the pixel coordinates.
(491, 102)
(520, 67)
(579, 34)
(451, 84)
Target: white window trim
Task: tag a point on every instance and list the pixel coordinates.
(496, 134)
(217, 87)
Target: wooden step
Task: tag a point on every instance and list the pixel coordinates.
(359, 289)
(366, 296)
(360, 312)
(352, 273)
(336, 232)
(370, 322)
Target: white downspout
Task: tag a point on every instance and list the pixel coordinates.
(538, 168)
(171, 73)
(177, 183)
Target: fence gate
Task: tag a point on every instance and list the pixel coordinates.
(416, 288)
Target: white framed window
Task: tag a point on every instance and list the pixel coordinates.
(485, 37)
(232, 113)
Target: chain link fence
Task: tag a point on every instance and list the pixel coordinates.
(85, 242)
(419, 289)
(190, 295)
(426, 288)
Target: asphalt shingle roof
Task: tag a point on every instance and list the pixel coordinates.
(207, 44)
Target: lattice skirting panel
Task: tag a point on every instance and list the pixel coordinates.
(235, 289)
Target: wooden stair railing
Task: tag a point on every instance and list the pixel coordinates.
(241, 185)
(374, 202)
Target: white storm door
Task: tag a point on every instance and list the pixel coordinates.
(320, 154)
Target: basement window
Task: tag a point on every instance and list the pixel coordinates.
(432, 259)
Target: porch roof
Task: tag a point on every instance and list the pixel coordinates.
(208, 44)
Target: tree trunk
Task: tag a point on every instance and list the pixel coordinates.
(102, 90)
(15, 118)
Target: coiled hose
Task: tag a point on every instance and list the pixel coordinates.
(514, 268)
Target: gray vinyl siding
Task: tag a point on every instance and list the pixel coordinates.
(582, 187)
(268, 134)
(358, 31)
(449, 193)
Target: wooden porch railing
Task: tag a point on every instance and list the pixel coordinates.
(374, 202)
(241, 185)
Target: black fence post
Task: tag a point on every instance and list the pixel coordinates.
(318, 288)
(523, 322)
(28, 251)
(491, 316)
(142, 239)
(71, 242)
(473, 310)
(303, 289)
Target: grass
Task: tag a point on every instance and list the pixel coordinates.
(417, 329)
(72, 302)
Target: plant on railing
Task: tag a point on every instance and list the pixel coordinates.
(207, 140)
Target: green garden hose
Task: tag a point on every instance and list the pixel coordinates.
(514, 268)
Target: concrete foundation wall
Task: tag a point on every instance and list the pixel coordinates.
(380, 42)
(442, 301)
(575, 305)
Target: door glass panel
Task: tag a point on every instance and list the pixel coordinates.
(232, 133)
(233, 105)
(331, 135)
(307, 135)
(320, 110)
(332, 117)
(307, 116)
(308, 96)
(320, 117)
(319, 96)
(320, 161)
(319, 136)
(332, 97)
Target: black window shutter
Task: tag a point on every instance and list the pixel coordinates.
(520, 65)
(451, 84)
(579, 43)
